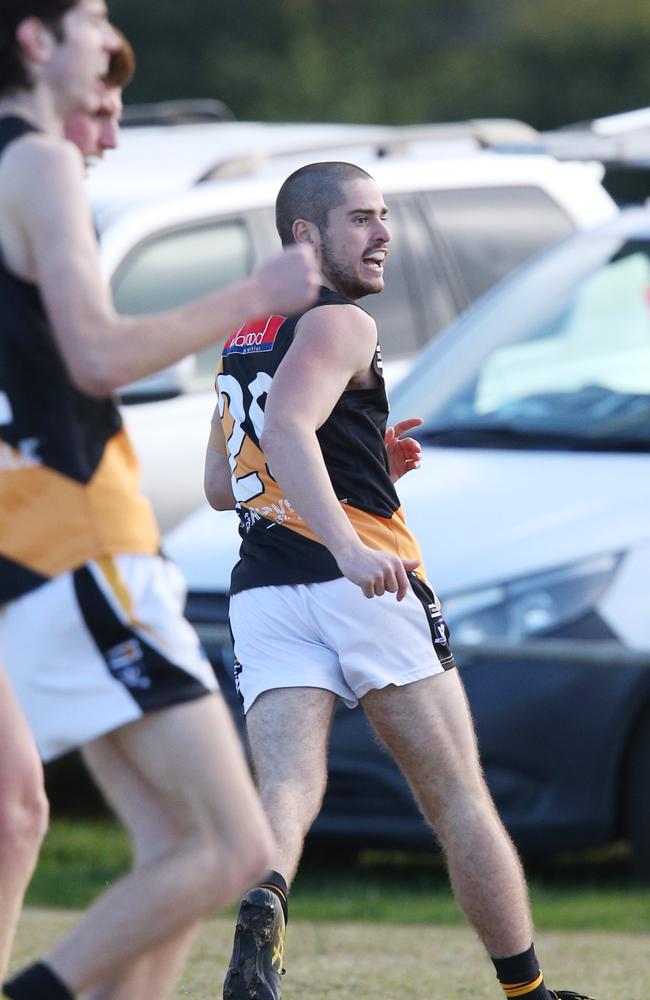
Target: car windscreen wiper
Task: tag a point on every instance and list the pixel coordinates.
(512, 436)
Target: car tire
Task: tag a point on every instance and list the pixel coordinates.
(636, 797)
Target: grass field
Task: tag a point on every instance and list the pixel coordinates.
(586, 893)
(360, 961)
(385, 927)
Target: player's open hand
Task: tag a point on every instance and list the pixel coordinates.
(377, 572)
(404, 454)
(289, 282)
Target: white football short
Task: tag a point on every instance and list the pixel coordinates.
(98, 647)
(328, 635)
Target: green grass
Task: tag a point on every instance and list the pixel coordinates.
(579, 892)
(78, 859)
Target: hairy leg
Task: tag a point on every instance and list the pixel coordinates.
(23, 814)
(289, 732)
(428, 729)
(191, 756)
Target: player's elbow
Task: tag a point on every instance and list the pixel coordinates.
(217, 487)
(91, 379)
(274, 436)
(96, 368)
(282, 437)
(219, 499)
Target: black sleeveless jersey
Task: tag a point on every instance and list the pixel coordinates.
(68, 475)
(277, 546)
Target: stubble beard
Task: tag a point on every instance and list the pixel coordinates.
(345, 281)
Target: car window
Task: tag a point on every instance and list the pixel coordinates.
(490, 231)
(397, 310)
(179, 265)
(525, 364)
(599, 346)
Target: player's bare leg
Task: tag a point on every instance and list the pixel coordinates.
(427, 728)
(191, 756)
(137, 804)
(289, 732)
(23, 814)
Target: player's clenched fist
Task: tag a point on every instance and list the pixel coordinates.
(289, 282)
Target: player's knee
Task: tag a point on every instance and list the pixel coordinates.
(23, 822)
(467, 807)
(296, 802)
(224, 871)
(253, 858)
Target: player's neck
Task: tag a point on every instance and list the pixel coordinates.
(34, 106)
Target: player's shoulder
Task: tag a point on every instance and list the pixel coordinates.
(338, 316)
(41, 159)
(40, 146)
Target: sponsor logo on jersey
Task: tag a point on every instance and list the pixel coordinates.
(259, 335)
(23, 456)
(278, 513)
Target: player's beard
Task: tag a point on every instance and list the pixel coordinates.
(344, 280)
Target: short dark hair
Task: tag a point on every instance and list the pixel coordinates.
(311, 193)
(14, 75)
(121, 65)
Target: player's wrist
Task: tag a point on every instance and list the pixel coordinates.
(347, 552)
(256, 296)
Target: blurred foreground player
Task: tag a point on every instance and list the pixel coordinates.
(93, 637)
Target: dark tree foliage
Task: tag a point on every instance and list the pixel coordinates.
(544, 61)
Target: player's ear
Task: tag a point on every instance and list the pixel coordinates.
(35, 39)
(305, 232)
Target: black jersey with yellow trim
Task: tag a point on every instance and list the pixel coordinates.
(68, 475)
(277, 545)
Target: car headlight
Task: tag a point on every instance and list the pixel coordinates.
(529, 606)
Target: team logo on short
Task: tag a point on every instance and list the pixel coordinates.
(259, 335)
(126, 663)
(441, 633)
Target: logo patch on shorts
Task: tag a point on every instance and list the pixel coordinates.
(126, 663)
(439, 626)
(259, 335)
(441, 633)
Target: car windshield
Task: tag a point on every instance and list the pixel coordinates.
(558, 356)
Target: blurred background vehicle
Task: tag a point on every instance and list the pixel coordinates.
(184, 208)
(531, 507)
(621, 142)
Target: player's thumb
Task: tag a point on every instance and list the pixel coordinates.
(410, 564)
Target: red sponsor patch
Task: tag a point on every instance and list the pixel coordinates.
(258, 335)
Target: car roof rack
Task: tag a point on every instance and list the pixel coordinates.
(488, 133)
(183, 112)
(498, 134)
(622, 138)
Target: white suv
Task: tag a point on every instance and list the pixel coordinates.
(461, 217)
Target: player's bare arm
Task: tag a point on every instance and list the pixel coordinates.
(217, 481)
(51, 242)
(332, 346)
